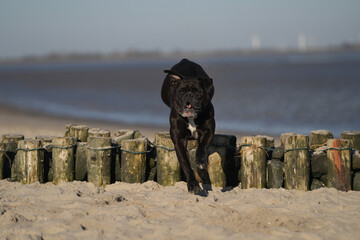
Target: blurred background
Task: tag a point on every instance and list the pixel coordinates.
(278, 66)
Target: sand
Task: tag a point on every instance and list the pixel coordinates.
(78, 210)
(32, 124)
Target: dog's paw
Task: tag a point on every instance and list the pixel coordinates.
(194, 188)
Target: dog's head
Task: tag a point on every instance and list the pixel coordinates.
(190, 95)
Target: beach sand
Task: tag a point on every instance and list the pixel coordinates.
(32, 124)
(78, 210)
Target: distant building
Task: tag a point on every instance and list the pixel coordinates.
(255, 42)
(302, 43)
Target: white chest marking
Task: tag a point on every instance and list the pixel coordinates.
(192, 127)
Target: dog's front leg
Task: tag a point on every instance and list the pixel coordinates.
(178, 133)
(183, 157)
(206, 136)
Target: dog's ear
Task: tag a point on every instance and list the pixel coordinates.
(208, 85)
(174, 77)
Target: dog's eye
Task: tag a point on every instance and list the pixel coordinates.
(196, 91)
(182, 90)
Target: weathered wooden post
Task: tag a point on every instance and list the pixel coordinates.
(11, 140)
(29, 161)
(168, 167)
(356, 183)
(356, 161)
(296, 162)
(270, 144)
(339, 171)
(46, 143)
(78, 131)
(316, 184)
(354, 136)
(215, 170)
(81, 165)
(283, 137)
(98, 132)
(63, 151)
(99, 160)
(275, 173)
(319, 138)
(119, 136)
(253, 162)
(319, 163)
(225, 146)
(3, 159)
(133, 160)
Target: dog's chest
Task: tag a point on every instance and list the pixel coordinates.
(192, 127)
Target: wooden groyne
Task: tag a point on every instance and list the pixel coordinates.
(300, 162)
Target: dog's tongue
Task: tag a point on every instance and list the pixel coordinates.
(188, 106)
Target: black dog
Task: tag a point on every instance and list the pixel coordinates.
(188, 91)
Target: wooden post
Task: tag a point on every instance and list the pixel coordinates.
(119, 136)
(319, 164)
(354, 136)
(3, 159)
(296, 162)
(339, 172)
(319, 138)
(128, 134)
(29, 161)
(278, 153)
(168, 167)
(215, 170)
(356, 183)
(275, 170)
(11, 141)
(81, 165)
(225, 146)
(78, 131)
(356, 160)
(98, 132)
(284, 136)
(99, 160)
(63, 159)
(316, 184)
(46, 143)
(253, 163)
(133, 160)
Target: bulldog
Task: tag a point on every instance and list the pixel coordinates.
(188, 91)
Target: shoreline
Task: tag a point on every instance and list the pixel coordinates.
(32, 123)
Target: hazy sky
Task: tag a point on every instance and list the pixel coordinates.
(42, 26)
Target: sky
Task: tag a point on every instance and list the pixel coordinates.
(40, 27)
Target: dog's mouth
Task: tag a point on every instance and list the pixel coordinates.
(188, 111)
